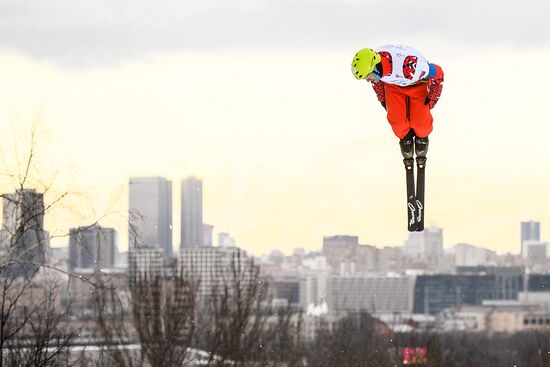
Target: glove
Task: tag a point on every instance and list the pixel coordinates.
(384, 105)
(430, 103)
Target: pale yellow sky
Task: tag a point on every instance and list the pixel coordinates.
(289, 145)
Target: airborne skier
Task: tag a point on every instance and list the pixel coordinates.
(408, 87)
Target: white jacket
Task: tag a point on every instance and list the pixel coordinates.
(409, 65)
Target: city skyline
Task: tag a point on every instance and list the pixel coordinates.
(175, 171)
(290, 145)
(175, 208)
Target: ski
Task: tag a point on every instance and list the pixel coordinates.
(420, 183)
(411, 195)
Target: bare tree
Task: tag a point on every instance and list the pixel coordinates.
(35, 328)
(282, 339)
(35, 331)
(352, 342)
(30, 320)
(234, 315)
(161, 321)
(164, 316)
(114, 328)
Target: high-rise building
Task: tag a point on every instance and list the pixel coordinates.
(433, 243)
(92, 247)
(338, 249)
(24, 240)
(284, 289)
(146, 262)
(216, 267)
(427, 244)
(207, 234)
(376, 294)
(469, 255)
(346, 256)
(537, 252)
(191, 212)
(434, 293)
(150, 214)
(530, 231)
(414, 246)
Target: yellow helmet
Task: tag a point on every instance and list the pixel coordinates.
(363, 62)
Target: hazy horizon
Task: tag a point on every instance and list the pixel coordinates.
(257, 99)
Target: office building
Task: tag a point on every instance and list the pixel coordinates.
(494, 317)
(25, 241)
(284, 289)
(192, 231)
(215, 266)
(207, 238)
(434, 293)
(338, 249)
(375, 294)
(313, 289)
(389, 259)
(433, 243)
(150, 214)
(537, 252)
(530, 231)
(468, 255)
(346, 256)
(427, 244)
(92, 247)
(414, 246)
(146, 262)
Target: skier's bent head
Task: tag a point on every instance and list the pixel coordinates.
(363, 65)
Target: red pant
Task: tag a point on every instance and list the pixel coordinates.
(406, 110)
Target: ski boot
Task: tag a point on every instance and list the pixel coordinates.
(407, 145)
(421, 148)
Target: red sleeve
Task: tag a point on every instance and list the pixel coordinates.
(435, 86)
(380, 91)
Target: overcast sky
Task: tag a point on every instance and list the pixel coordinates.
(97, 32)
(257, 98)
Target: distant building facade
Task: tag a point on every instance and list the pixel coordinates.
(25, 242)
(192, 231)
(346, 256)
(214, 266)
(494, 317)
(468, 255)
(207, 230)
(427, 244)
(375, 294)
(530, 231)
(286, 289)
(92, 247)
(150, 214)
(537, 252)
(338, 249)
(434, 293)
(146, 262)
